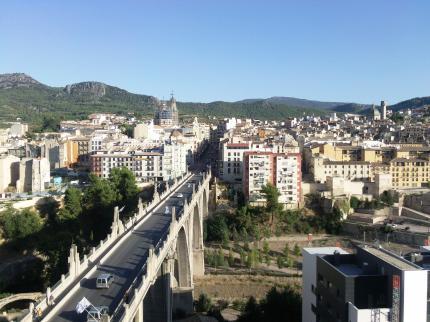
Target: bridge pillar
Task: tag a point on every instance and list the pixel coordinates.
(157, 304)
(74, 262)
(198, 262)
(139, 314)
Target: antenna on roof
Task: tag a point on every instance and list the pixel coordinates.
(172, 94)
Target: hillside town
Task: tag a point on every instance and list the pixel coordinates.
(372, 170)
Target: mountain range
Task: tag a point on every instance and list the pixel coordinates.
(23, 96)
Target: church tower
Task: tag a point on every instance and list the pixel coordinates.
(174, 111)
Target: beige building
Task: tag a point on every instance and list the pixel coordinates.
(406, 173)
(9, 172)
(34, 175)
(322, 168)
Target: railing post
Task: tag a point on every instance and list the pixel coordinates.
(173, 214)
(140, 207)
(48, 296)
(149, 263)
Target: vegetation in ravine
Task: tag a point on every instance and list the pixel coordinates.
(84, 219)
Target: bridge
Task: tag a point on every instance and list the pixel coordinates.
(19, 297)
(153, 258)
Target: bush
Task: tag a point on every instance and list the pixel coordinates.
(354, 202)
(297, 250)
(278, 305)
(20, 224)
(204, 303)
(217, 229)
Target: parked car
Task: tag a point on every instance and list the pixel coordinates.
(392, 225)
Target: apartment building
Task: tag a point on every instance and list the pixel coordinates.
(322, 168)
(166, 163)
(232, 152)
(83, 145)
(406, 173)
(369, 285)
(174, 162)
(281, 170)
(230, 169)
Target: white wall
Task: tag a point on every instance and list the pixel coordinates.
(414, 299)
(309, 278)
(356, 315)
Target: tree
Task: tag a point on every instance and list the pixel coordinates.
(217, 229)
(280, 262)
(99, 200)
(266, 247)
(230, 258)
(50, 124)
(209, 258)
(250, 259)
(297, 251)
(332, 222)
(252, 312)
(278, 305)
(20, 224)
(354, 202)
(271, 194)
(72, 205)
(220, 258)
(124, 183)
(234, 234)
(286, 251)
(281, 305)
(204, 303)
(387, 198)
(127, 129)
(242, 257)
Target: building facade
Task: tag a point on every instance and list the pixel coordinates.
(281, 170)
(34, 175)
(369, 285)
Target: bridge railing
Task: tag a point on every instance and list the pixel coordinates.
(140, 285)
(97, 253)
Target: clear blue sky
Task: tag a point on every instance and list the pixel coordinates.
(338, 50)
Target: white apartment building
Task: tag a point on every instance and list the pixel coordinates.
(148, 166)
(232, 152)
(174, 162)
(281, 170)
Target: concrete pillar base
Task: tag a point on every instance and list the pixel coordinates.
(198, 262)
(182, 301)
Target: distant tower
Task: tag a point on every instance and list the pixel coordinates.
(166, 113)
(174, 110)
(384, 110)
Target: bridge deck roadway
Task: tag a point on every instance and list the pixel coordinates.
(125, 261)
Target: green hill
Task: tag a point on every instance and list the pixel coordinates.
(22, 96)
(412, 103)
